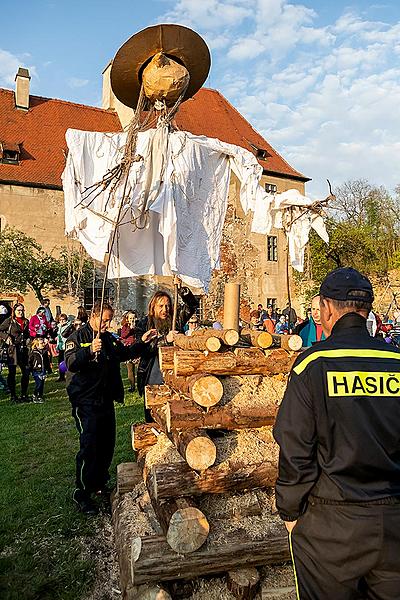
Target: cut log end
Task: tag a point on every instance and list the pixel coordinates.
(264, 340)
(188, 530)
(243, 583)
(231, 337)
(213, 344)
(201, 453)
(207, 391)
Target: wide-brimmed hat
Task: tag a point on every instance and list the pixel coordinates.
(179, 43)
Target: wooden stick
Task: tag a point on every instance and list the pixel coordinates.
(231, 306)
(177, 479)
(205, 390)
(153, 560)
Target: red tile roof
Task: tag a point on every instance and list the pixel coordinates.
(41, 133)
(209, 113)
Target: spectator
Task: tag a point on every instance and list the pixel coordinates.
(311, 331)
(128, 337)
(15, 332)
(193, 325)
(255, 322)
(40, 366)
(291, 314)
(38, 324)
(269, 322)
(160, 318)
(48, 313)
(282, 325)
(64, 330)
(82, 315)
(262, 311)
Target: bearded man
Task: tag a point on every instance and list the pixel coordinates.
(160, 318)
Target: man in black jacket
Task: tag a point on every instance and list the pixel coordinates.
(160, 318)
(93, 384)
(338, 488)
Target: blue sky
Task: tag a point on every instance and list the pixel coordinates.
(319, 79)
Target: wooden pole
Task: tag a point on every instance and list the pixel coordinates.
(231, 306)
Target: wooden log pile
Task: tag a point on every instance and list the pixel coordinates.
(211, 436)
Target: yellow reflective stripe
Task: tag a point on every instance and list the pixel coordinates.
(294, 566)
(85, 345)
(364, 353)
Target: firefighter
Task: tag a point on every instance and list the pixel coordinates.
(338, 487)
(93, 384)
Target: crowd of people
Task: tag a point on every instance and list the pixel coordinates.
(31, 345)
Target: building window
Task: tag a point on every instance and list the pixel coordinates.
(271, 302)
(90, 294)
(9, 153)
(272, 247)
(271, 188)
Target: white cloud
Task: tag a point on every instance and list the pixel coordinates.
(75, 82)
(208, 14)
(9, 64)
(326, 97)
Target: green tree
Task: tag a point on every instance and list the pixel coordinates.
(364, 232)
(25, 265)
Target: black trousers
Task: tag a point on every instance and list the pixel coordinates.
(96, 428)
(11, 379)
(346, 552)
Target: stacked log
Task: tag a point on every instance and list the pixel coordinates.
(199, 397)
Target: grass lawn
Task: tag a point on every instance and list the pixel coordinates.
(42, 535)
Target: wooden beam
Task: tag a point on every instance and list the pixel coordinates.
(177, 479)
(153, 560)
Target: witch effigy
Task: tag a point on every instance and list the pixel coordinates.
(152, 200)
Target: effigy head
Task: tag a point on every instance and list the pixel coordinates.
(164, 79)
(167, 59)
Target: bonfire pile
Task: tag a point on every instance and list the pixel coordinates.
(203, 481)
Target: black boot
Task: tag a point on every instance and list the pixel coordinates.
(85, 503)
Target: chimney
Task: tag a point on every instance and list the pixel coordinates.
(22, 79)
(108, 96)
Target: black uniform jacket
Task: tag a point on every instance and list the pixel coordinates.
(338, 426)
(96, 379)
(185, 311)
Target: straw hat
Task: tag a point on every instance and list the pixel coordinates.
(180, 43)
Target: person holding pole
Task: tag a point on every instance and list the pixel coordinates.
(338, 487)
(93, 356)
(166, 318)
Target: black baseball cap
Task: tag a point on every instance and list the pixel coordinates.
(345, 284)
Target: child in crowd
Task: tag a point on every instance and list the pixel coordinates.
(40, 366)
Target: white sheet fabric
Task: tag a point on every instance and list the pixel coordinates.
(289, 212)
(185, 181)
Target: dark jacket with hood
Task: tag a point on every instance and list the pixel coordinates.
(150, 354)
